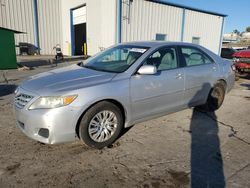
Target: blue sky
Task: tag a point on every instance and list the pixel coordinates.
(238, 11)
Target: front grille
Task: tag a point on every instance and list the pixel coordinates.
(22, 99)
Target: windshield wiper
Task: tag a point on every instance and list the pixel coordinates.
(88, 67)
(98, 69)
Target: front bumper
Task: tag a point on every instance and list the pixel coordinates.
(50, 126)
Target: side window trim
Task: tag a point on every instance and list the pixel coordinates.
(193, 47)
(181, 59)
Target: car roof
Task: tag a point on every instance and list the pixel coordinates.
(157, 43)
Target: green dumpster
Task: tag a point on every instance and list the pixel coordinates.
(7, 49)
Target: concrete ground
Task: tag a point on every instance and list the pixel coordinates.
(38, 60)
(188, 148)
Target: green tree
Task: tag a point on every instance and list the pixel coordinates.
(248, 29)
(236, 31)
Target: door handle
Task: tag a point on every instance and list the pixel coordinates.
(178, 76)
(214, 68)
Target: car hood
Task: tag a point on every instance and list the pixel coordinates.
(65, 79)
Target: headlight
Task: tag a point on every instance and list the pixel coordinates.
(52, 102)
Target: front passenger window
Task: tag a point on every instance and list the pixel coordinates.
(163, 59)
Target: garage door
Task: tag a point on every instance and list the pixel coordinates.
(79, 30)
(79, 15)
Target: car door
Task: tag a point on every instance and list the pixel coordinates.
(159, 93)
(199, 71)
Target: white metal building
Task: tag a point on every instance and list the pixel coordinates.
(88, 26)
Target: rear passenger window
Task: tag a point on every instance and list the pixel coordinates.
(194, 56)
(163, 59)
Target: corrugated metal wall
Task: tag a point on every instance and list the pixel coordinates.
(145, 19)
(18, 15)
(142, 20)
(205, 26)
(50, 28)
(101, 25)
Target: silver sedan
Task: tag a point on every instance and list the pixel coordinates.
(121, 86)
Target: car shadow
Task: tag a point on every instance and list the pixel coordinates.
(206, 159)
(7, 89)
(123, 132)
(245, 85)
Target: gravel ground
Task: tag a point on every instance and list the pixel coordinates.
(184, 149)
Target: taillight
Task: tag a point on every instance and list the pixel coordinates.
(233, 67)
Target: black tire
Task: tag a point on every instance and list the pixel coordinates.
(30, 52)
(215, 98)
(237, 75)
(90, 114)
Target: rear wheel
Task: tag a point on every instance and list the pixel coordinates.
(101, 125)
(215, 98)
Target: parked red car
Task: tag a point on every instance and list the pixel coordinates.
(242, 62)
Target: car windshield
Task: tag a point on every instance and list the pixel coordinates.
(117, 59)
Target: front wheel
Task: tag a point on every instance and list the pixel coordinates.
(215, 98)
(101, 125)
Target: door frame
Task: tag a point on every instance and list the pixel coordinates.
(72, 28)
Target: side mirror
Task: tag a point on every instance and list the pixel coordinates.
(147, 69)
